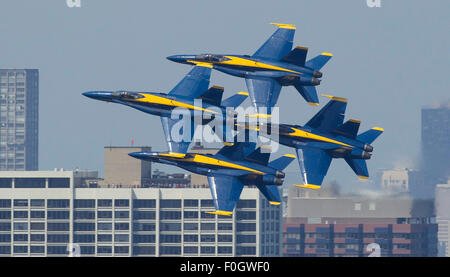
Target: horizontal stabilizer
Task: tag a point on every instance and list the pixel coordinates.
(212, 96)
(370, 135)
(282, 162)
(309, 93)
(297, 56)
(271, 193)
(349, 129)
(318, 62)
(359, 167)
(235, 100)
(258, 157)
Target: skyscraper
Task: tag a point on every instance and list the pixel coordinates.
(19, 118)
(435, 146)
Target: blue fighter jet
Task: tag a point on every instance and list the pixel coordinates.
(273, 65)
(229, 170)
(194, 86)
(323, 138)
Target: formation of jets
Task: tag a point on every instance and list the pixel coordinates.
(239, 163)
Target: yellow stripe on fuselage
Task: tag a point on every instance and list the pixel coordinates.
(303, 134)
(250, 63)
(150, 98)
(197, 158)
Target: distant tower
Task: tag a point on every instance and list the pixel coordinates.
(435, 146)
(19, 119)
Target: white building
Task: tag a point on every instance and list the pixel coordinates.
(42, 213)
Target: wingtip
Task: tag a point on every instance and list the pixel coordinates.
(335, 98)
(284, 26)
(378, 129)
(327, 54)
(274, 203)
(289, 155)
(313, 104)
(309, 186)
(363, 177)
(219, 212)
(243, 93)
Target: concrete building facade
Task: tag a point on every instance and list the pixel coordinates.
(44, 214)
(442, 203)
(345, 226)
(19, 119)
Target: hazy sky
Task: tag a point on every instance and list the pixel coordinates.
(388, 61)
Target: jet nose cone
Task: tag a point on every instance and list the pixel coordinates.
(139, 155)
(180, 58)
(99, 95)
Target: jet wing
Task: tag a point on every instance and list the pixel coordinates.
(279, 44)
(330, 116)
(194, 84)
(178, 144)
(314, 164)
(225, 191)
(264, 92)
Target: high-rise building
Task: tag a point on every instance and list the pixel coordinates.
(347, 225)
(442, 204)
(45, 213)
(19, 119)
(121, 170)
(435, 147)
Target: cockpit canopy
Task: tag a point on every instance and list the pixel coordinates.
(211, 58)
(127, 95)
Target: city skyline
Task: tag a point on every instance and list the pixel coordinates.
(79, 49)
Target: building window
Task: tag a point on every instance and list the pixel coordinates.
(37, 226)
(20, 249)
(58, 227)
(170, 226)
(246, 215)
(190, 214)
(170, 238)
(58, 215)
(84, 203)
(104, 238)
(190, 226)
(85, 226)
(170, 203)
(224, 226)
(5, 249)
(246, 239)
(59, 182)
(190, 238)
(224, 238)
(20, 202)
(37, 237)
(37, 202)
(245, 250)
(170, 250)
(190, 250)
(144, 215)
(208, 238)
(84, 238)
(241, 227)
(121, 214)
(103, 226)
(121, 226)
(372, 206)
(208, 226)
(207, 215)
(224, 250)
(5, 237)
(121, 238)
(29, 183)
(5, 226)
(5, 183)
(144, 203)
(190, 203)
(104, 214)
(5, 203)
(58, 203)
(87, 250)
(207, 203)
(84, 215)
(121, 249)
(121, 203)
(104, 249)
(246, 204)
(144, 226)
(57, 238)
(357, 207)
(169, 215)
(144, 250)
(20, 214)
(21, 226)
(207, 250)
(37, 249)
(143, 238)
(104, 202)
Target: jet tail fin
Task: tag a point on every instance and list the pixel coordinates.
(212, 96)
(359, 166)
(235, 100)
(370, 135)
(349, 129)
(309, 93)
(258, 157)
(282, 162)
(318, 62)
(297, 56)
